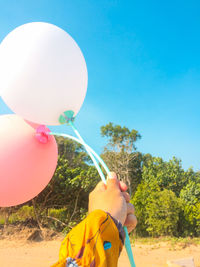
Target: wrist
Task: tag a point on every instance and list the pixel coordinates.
(119, 227)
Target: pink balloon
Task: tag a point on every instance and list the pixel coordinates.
(26, 164)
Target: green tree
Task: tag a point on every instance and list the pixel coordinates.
(169, 175)
(157, 210)
(163, 212)
(69, 188)
(144, 194)
(120, 153)
(190, 196)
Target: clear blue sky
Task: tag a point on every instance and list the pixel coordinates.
(143, 60)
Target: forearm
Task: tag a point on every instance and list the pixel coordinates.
(93, 242)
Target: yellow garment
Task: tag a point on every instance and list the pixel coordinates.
(93, 242)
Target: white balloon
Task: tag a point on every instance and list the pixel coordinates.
(42, 72)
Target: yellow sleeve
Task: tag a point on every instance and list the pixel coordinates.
(93, 242)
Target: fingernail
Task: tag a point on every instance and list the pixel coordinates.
(112, 175)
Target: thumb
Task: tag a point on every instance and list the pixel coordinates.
(112, 181)
(100, 187)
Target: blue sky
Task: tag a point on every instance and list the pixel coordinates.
(143, 62)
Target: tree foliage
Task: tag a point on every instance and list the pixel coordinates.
(73, 179)
(190, 196)
(163, 212)
(120, 153)
(120, 138)
(167, 200)
(166, 197)
(169, 175)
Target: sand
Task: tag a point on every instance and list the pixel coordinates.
(22, 253)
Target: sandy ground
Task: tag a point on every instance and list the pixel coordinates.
(21, 253)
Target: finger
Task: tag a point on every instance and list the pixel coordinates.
(130, 209)
(130, 228)
(130, 222)
(126, 196)
(123, 187)
(100, 187)
(112, 181)
(131, 219)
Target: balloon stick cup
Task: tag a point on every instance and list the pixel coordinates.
(68, 118)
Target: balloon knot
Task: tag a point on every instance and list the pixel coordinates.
(42, 134)
(66, 117)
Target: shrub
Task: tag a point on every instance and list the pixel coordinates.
(59, 214)
(163, 213)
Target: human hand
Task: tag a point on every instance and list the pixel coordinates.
(114, 199)
(131, 219)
